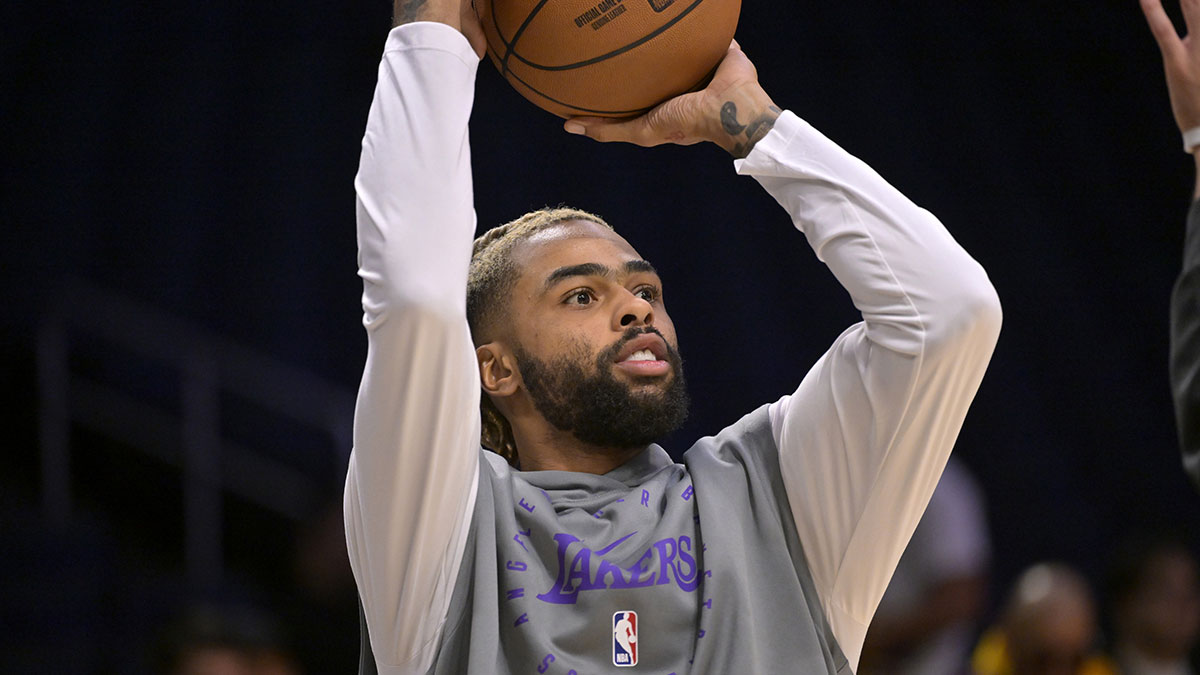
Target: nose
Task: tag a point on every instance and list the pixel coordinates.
(633, 311)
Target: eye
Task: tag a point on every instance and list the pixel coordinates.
(647, 293)
(581, 296)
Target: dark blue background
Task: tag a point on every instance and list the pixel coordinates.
(200, 157)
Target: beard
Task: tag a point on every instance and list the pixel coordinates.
(595, 407)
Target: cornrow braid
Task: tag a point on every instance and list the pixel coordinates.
(490, 280)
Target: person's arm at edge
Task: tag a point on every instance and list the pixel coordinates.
(1185, 347)
(412, 479)
(1181, 65)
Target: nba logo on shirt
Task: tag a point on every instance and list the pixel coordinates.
(625, 639)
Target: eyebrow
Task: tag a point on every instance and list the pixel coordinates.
(592, 269)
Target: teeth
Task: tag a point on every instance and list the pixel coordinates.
(643, 355)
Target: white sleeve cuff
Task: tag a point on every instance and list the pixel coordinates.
(1191, 138)
(786, 127)
(431, 35)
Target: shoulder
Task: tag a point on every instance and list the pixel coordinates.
(493, 465)
(742, 457)
(746, 438)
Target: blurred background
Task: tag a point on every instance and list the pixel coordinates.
(181, 330)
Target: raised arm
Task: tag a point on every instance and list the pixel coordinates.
(1181, 63)
(1185, 348)
(411, 483)
(865, 437)
(863, 440)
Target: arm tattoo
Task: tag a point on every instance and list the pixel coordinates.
(729, 119)
(407, 11)
(752, 132)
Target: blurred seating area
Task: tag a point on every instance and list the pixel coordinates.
(1142, 617)
(187, 512)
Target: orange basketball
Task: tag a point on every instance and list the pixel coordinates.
(608, 58)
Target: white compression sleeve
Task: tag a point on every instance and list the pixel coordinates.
(865, 436)
(411, 486)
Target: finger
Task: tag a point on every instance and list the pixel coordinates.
(1191, 14)
(734, 58)
(608, 130)
(1160, 26)
(734, 48)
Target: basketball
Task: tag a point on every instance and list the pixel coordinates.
(606, 58)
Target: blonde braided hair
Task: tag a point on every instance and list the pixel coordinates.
(490, 279)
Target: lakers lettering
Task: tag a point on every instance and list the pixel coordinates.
(581, 569)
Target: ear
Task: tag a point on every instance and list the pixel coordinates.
(498, 374)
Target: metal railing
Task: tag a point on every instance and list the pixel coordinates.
(187, 435)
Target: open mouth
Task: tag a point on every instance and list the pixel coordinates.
(644, 355)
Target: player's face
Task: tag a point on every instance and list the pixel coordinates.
(596, 349)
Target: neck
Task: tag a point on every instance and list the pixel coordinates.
(542, 447)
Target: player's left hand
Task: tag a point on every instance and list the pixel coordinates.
(733, 111)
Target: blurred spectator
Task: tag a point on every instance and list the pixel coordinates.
(225, 641)
(925, 623)
(1048, 627)
(1155, 598)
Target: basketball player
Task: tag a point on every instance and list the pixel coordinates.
(1181, 61)
(578, 546)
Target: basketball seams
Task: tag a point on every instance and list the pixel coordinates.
(603, 57)
(511, 47)
(614, 113)
(699, 84)
(522, 72)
